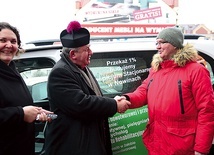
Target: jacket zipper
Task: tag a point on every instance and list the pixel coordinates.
(180, 96)
(149, 84)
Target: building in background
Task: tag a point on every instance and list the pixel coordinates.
(197, 29)
(126, 11)
(147, 16)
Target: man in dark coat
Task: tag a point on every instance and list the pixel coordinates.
(75, 96)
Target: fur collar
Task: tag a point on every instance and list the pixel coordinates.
(186, 54)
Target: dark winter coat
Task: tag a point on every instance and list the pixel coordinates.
(180, 105)
(82, 124)
(16, 136)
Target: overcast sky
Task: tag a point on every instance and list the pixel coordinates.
(45, 19)
(37, 19)
(196, 12)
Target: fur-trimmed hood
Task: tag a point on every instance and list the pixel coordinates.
(186, 54)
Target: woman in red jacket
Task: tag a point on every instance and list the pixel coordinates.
(179, 95)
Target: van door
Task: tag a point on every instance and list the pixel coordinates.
(118, 73)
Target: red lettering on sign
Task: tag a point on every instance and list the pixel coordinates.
(107, 29)
(150, 13)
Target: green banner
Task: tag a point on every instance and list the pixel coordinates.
(126, 132)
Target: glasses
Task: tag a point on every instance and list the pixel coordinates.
(161, 43)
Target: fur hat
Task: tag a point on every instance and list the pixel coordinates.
(74, 36)
(173, 36)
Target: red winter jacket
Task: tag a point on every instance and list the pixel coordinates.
(180, 106)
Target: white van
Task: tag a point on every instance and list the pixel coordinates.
(119, 66)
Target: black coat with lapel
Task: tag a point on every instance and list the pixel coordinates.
(82, 124)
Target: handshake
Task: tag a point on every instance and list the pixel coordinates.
(122, 104)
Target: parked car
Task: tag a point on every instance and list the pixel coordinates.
(119, 67)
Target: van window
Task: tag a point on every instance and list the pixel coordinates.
(209, 65)
(39, 91)
(36, 81)
(211, 72)
(120, 72)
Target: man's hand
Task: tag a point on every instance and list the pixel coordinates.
(122, 104)
(198, 153)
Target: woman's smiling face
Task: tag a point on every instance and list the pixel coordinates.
(8, 45)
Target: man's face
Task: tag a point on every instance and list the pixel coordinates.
(82, 56)
(165, 49)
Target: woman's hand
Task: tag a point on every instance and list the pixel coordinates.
(32, 113)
